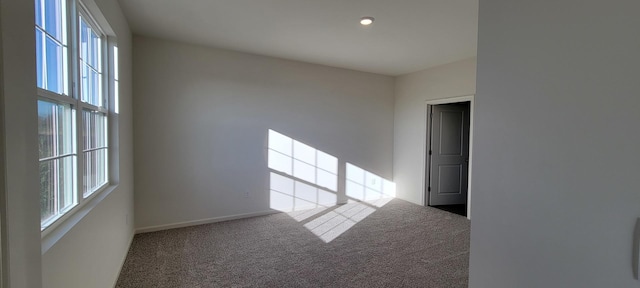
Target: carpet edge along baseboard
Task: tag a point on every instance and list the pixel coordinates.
(202, 221)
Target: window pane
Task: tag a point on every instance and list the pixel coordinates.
(90, 59)
(95, 129)
(91, 86)
(95, 161)
(47, 191)
(95, 95)
(94, 57)
(39, 58)
(57, 187)
(116, 97)
(95, 170)
(55, 129)
(53, 18)
(84, 82)
(51, 58)
(38, 13)
(89, 45)
(54, 66)
(116, 85)
(115, 63)
(84, 41)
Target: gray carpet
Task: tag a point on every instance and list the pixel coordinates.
(398, 245)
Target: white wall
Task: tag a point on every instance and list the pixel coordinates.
(202, 122)
(22, 237)
(91, 253)
(411, 93)
(555, 186)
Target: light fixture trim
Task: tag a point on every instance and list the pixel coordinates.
(367, 20)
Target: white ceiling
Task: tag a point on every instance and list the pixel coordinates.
(407, 35)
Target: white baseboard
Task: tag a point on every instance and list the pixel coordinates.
(203, 221)
(124, 258)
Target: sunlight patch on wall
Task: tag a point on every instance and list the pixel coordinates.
(302, 161)
(304, 184)
(303, 180)
(365, 186)
(300, 199)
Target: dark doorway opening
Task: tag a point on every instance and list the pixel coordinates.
(460, 209)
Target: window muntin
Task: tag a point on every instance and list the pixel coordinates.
(72, 127)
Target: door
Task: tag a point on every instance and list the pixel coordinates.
(448, 154)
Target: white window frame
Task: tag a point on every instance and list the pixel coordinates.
(82, 106)
(74, 10)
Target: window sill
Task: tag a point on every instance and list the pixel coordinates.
(51, 235)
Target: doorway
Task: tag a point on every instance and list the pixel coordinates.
(448, 155)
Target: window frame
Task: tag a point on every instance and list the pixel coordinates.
(75, 10)
(82, 106)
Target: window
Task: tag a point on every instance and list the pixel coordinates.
(94, 114)
(72, 107)
(116, 82)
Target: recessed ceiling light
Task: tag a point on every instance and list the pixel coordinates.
(366, 21)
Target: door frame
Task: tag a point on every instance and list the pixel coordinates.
(427, 121)
(4, 281)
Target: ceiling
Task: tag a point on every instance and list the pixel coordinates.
(407, 35)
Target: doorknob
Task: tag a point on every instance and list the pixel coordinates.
(466, 160)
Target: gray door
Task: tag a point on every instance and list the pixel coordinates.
(448, 154)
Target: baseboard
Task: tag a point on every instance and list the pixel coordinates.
(203, 221)
(115, 281)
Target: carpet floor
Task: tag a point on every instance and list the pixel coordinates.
(353, 245)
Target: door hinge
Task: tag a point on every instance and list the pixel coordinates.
(429, 189)
(430, 152)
